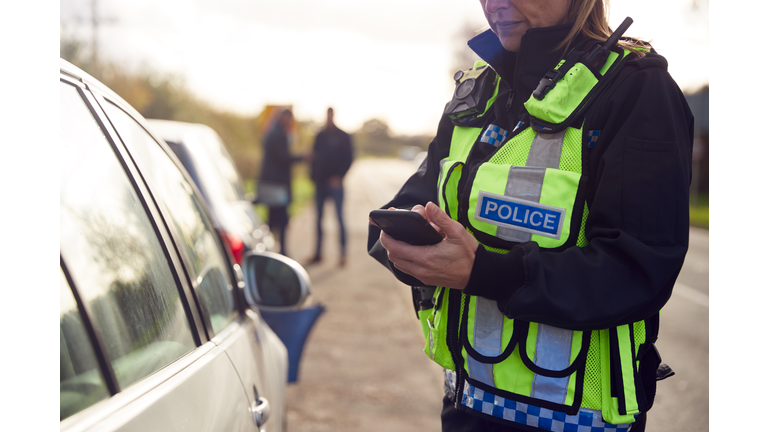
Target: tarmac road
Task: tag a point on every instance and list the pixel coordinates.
(363, 367)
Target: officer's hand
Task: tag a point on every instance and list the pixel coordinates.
(448, 263)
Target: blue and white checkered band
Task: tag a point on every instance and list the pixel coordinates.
(593, 135)
(519, 214)
(586, 420)
(494, 135)
(518, 125)
(449, 381)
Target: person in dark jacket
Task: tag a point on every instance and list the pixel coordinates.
(332, 156)
(274, 188)
(619, 174)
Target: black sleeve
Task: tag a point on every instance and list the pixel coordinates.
(347, 156)
(638, 178)
(420, 188)
(276, 148)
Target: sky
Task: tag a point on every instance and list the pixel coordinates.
(387, 59)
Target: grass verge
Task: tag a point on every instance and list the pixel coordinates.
(302, 191)
(699, 211)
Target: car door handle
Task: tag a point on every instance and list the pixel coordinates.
(260, 410)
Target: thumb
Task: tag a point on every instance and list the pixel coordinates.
(438, 217)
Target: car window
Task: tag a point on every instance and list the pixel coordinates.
(231, 185)
(113, 255)
(81, 382)
(218, 172)
(203, 257)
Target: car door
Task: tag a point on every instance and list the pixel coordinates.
(250, 345)
(135, 351)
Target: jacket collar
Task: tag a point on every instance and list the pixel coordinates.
(523, 70)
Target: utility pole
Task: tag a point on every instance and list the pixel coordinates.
(94, 20)
(94, 32)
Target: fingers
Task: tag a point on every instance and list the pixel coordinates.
(443, 223)
(448, 263)
(397, 250)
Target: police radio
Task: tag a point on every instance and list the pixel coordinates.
(474, 87)
(593, 59)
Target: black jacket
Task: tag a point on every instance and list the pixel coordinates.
(637, 177)
(333, 154)
(277, 160)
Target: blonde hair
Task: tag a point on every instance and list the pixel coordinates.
(590, 18)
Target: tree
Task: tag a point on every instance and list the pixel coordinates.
(463, 56)
(374, 139)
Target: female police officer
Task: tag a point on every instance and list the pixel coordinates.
(560, 188)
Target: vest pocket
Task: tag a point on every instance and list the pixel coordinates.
(619, 373)
(434, 325)
(448, 185)
(526, 362)
(557, 359)
(509, 204)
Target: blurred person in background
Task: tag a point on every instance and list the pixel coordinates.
(561, 191)
(274, 186)
(332, 156)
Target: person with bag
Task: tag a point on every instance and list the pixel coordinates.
(274, 186)
(559, 179)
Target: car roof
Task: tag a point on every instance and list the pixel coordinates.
(171, 130)
(67, 68)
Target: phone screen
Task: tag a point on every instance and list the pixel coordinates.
(407, 226)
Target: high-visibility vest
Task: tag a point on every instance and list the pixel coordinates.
(530, 373)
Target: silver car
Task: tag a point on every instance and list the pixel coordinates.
(158, 326)
(202, 152)
(204, 155)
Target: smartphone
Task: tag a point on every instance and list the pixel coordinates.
(407, 226)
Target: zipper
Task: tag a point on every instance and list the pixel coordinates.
(455, 298)
(436, 307)
(455, 301)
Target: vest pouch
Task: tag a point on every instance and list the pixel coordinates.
(618, 356)
(434, 325)
(510, 204)
(488, 337)
(524, 362)
(572, 93)
(447, 187)
(557, 358)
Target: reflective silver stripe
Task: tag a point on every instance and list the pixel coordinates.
(553, 352)
(525, 182)
(440, 180)
(431, 344)
(449, 380)
(489, 323)
(546, 150)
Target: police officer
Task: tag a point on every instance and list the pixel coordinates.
(561, 191)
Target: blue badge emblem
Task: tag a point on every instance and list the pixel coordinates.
(520, 214)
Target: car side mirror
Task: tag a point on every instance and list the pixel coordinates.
(274, 281)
